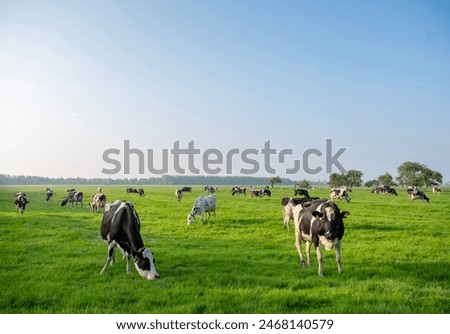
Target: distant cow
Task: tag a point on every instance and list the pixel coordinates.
(97, 202)
(73, 197)
(121, 227)
(414, 193)
(179, 194)
(260, 193)
(210, 189)
(436, 190)
(237, 190)
(301, 192)
(289, 203)
(48, 194)
(141, 193)
(20, 201)
(99, 189)
(202, 205)
(186, 189)
(389, 190)
(341, 194)
(319, 222)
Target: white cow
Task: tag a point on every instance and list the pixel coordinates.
(201, 205)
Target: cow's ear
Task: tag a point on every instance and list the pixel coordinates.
(317, 214)
(345, 214)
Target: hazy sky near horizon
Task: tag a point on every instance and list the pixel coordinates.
(81, 77)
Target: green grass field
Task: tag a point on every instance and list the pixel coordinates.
(395, 257)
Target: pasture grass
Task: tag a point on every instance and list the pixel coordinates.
(395, 257)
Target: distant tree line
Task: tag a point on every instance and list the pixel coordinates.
(409, 174)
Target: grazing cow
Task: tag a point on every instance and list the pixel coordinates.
(121, 227)
(389, 190)
(99, 190)
(260, 193)
(341, 194)
(179, 194)
(289, 203)
(414, 193)
(210, 190)
(202, 205)
(237, 190)
(319, 222)
(20, 201)
(48, 194)
(186, 189)
(141, 193)
(301, 192)
(129, 190)
(97, 202)
(436, 190)
(73, 197)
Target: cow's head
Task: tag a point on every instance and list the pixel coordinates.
(64, 202)
(145, 264)
(330, 221)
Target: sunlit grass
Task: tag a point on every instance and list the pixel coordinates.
(395, 257)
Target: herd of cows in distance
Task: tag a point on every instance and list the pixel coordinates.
(317, 221)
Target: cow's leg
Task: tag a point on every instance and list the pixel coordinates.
(308, 249)
(338, 256)
(286, 221)
(319, 260)
(110, 258)
(128, 257)
(299, 247)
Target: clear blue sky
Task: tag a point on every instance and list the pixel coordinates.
(80, 77)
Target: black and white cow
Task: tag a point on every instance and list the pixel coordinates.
(319, 222)
(389, 190)
(179, 194)
(20, 201)
(186, 189)
(48, 194)
(237, 190)
(210, 189)
(436, 190)
(414, 193)
(301, 192)
(341, 194)
(289, 203)
(141, 192)
(73, 197)
(97, 202)
(121, 227)
(202, 205)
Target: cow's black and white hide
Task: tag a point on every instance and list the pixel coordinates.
(73, 197)
(48, 194)
(202, 205)
(97, 202)
(415, 193)
(321, 223)
(121, 228)
(301, 192)
(289, 203)
(20, 201)
(179, 194)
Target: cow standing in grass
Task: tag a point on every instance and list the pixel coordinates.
(20, 201)
(319, 222)
(202, 205)
(178, 195)
(97, 202)
(48, 194)
(121, 228)
(73, 197)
